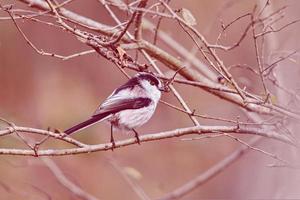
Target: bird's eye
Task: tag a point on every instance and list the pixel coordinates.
(152, 82)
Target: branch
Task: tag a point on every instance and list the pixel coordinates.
(135, 187)
(239, 129)
(169, 60)
(59, 175)
(209, 174)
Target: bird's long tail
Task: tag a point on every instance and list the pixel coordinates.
(87, 123)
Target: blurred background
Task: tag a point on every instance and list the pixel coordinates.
(41, 91)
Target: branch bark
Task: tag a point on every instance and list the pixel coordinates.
(144, 138)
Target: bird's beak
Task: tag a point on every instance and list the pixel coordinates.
(162, 88)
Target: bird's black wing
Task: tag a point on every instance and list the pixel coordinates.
(112, 105)
(115, 105)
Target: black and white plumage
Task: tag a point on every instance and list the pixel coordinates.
(129, 106)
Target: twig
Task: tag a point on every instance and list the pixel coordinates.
(208, 174)
(277, 30)
(258, 59)
(218, 118)
(282, 58)
(27, 40)
(79, 54)
(116, 40)
(275, 157)
(158, 25)
(138, 22)
(63, 180)
(136, 188)
(212, 53)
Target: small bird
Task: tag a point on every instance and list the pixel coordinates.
(129, 106)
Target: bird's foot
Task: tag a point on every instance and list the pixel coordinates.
(62, 134)
(136, 135)
(112, 141)
(138, 139)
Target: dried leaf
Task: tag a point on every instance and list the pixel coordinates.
(133, 173)
(121, 52)
(188, 17)
(273, 99)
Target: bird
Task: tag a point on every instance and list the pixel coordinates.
(129, 106)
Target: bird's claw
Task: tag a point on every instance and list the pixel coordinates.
(138, 139)
(62, 134)
(113, 144)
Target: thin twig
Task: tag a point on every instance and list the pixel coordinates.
(136, 188)
(208, 174)
(138, 22)
(63, 180)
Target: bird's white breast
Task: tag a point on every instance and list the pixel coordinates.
(129, 119)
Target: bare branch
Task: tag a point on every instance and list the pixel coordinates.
(62, 179)
(137, 189)
(282, 58)
(145, 138)
(209, 174)
(170, 61)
